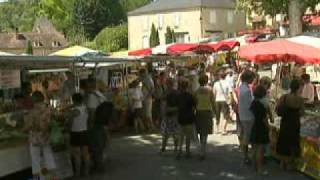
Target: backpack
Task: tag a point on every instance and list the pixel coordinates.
(103, 113)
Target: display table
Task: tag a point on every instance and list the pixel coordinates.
(14, 160)
(309, 162)
(18, 159)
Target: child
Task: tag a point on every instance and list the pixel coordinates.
(260, 132)
(79, 139)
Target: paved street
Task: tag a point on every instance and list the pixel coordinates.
(137, 158)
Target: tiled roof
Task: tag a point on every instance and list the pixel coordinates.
(171, 5)
(19, 40)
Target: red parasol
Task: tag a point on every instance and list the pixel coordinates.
(141, 52)
(280, 50)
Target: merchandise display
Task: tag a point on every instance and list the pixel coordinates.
(309, 162)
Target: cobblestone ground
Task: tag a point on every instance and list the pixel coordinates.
(137, 158)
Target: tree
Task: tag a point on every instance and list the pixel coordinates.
(92, 16)
(154, 36)
(29, 49)
(112, 39)
(170, 37)
(292, 8)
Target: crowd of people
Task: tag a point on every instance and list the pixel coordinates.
(186, 104)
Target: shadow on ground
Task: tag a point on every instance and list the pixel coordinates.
(137, 158)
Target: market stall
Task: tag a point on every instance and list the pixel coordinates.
(14, 71)
(302, 50)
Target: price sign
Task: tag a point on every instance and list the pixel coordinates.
(9, 79)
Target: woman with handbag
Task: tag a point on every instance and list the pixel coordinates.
(222, 92)
(290, 107)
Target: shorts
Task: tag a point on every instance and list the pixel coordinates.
(222, 108)
(36, 153)
(246, 128)
(188, 130)
(147, 107)
(79, 139)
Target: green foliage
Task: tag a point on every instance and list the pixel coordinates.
(29, 49)
(154, 37)
(129, 5)
(170, 37)
(79, 20)
(273, 7)
(92, 16)
(113, 39)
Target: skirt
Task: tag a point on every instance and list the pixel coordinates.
(204, 122)
(170, 125)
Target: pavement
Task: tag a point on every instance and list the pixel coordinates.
(136, 157)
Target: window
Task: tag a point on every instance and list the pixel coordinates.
(230, 16)
(213, 17)
(145, 41)
(177, 19)
(182, 37)
(37, 44)
(146, 24)
(160, 21)
(56, 44)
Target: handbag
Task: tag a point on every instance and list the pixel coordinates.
(281, 107)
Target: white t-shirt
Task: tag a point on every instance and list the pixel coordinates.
(95, 99)
(80, 123)
(221, 90)
(136, 97)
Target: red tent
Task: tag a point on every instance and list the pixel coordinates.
(284, 50)
(225, 45)
(181, 48)
(141, 52)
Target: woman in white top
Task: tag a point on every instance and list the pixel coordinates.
(222, 93)
(79, 139)
(135, 100)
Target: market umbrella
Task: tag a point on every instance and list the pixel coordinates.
(226, 45)
(158, 50)
(141, 52)
(284, 50)
(5, 54)
(75, 51)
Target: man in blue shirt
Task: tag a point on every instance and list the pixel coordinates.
(246, 116)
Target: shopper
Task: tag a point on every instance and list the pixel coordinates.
(186, 118)
(246, 116)
(79, 139)
(260, 132)
(99, 135)
(290, 107)
(135, 103)
(222, 93)
(93, 99)
(169, 125)
(307, 92)
(37, 125)
(148, 92)
(204, 113)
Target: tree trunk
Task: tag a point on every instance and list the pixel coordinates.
(295, 14)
